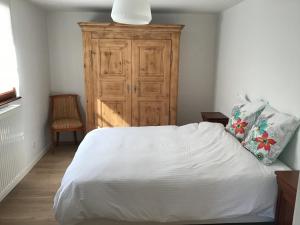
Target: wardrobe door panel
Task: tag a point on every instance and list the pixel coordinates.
(111, 63)
(152, 113)
(111, 114)
(151, 61)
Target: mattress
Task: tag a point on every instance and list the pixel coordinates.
(196, 172)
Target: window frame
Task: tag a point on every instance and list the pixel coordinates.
(8, 96)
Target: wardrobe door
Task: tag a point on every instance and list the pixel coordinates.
(151, 61)
(111, 63)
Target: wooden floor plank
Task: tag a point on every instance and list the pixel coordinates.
(30, 203)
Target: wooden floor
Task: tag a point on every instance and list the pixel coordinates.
(30, 203)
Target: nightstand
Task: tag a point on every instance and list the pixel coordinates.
(287, 191)
(215, 117)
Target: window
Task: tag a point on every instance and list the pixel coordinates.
(9, 82)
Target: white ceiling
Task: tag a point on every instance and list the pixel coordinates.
(157, 5)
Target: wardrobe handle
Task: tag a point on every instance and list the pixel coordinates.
(128, 88)
(134, 88)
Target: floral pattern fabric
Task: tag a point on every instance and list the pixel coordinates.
(265, 142)
(239, 126)
(270, 134)
(243, 117)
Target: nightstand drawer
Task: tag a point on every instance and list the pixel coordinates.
(287, 191)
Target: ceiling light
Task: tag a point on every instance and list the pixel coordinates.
(136, 12)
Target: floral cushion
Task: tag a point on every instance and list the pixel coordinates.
(270, 134)
(243, 117)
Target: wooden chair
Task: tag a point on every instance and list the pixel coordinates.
(65, 116)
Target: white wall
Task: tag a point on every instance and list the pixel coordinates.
(197, 67)
(30, 35)
(259, 54)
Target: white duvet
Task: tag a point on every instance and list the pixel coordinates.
(194, 172)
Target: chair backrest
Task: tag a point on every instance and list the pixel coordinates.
(65, 107)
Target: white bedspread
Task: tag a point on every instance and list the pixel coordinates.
(163, 174)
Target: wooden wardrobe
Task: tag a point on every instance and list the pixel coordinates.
(131, 74)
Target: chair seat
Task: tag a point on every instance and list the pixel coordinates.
(66, 124)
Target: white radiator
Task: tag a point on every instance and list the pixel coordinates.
(11, 154)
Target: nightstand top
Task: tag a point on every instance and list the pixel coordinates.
(214, 115)
(289, 177)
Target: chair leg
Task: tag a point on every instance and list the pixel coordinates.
(53, 141)
(57, 138)
(75, 138)
(83, 134)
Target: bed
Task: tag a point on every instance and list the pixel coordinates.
(197, 173)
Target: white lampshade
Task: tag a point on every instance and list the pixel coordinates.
(136, 12)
